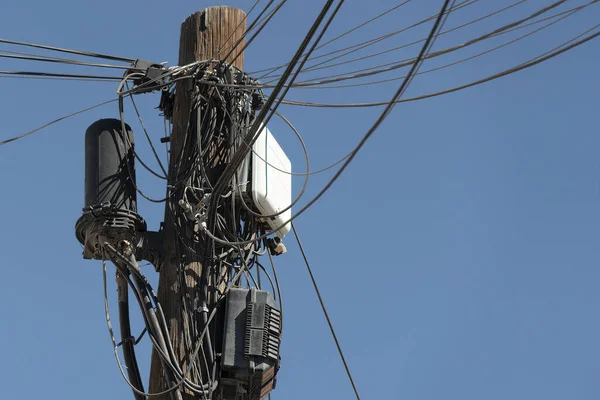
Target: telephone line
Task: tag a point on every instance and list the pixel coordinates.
(22, 135)
(63, 50)
(520, 67)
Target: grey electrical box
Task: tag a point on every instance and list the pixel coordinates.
(252, 333)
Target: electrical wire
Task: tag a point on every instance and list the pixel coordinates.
(4, 54)
(259, 30)
(389, 106)
(223, 47)
(404, 63)
(22, 135)
(563, 15)
(160, 164)
(60, 75)
(274, 69)
(263, 118)
(325, 313)
(78, 52)
(369, 42)
(326, 64)
(54, 78)
(520, 67)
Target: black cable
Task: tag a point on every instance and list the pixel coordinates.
(273, 69)
(280, 299)
(128, 341)
(22, 135)
(60, 61)
(262, 26)
(122, 118)
(563, 15)
(404, 63)
(369, 42)
(508, 71)
(263, 118)
(54, 79)
(81, 53)
(155, 330)
(253, 24)
(160, 164)
(325, 313)
(251, 136)
(59, 75)
(240, 25)
(394, 8)
(389, 106)
(322, 65)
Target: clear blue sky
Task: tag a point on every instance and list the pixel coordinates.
(458, 254)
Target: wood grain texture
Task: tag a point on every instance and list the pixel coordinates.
(205, 35)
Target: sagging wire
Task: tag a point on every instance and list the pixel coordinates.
(556, 19)
(325, 313)
(70, 51)
(22, 135)
(556, 51)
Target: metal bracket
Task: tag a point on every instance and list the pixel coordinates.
(151, 247)
(152, 71)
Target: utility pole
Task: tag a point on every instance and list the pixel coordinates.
(205, 35)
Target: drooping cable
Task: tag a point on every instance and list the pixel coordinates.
(328, 63)
(127, 341)
(389, 106)
(60, 75)
(274, 69)
(160, 164)
(22, 135)
(259, 30)
(365, 72)
(5, 54)
(251, 136)
(556, 19)
(369, 42)
(520, 67)
(78, 52)
(325, 313)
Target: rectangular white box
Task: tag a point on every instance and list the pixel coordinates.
(270, 181)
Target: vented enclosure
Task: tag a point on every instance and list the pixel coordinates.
(252, 332)
(110, 211)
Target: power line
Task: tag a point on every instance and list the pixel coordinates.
(369, 42)
(60, 75)
(49, 78)
(22, 135)
(322, 65)
(263, 24)
(325, 313)
(520, 67)
(242, 22)
(263, 118)
(404, 63)
(564, 15)
(274, 69)
(6, 54)
(389, 106)
(160, 164)
(62, 50)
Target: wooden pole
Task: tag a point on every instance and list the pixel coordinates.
(205, 35)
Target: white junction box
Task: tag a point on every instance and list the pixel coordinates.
(270, 180)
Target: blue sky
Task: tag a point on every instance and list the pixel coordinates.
(458, 254)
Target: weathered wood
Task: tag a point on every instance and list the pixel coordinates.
(205, 35)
